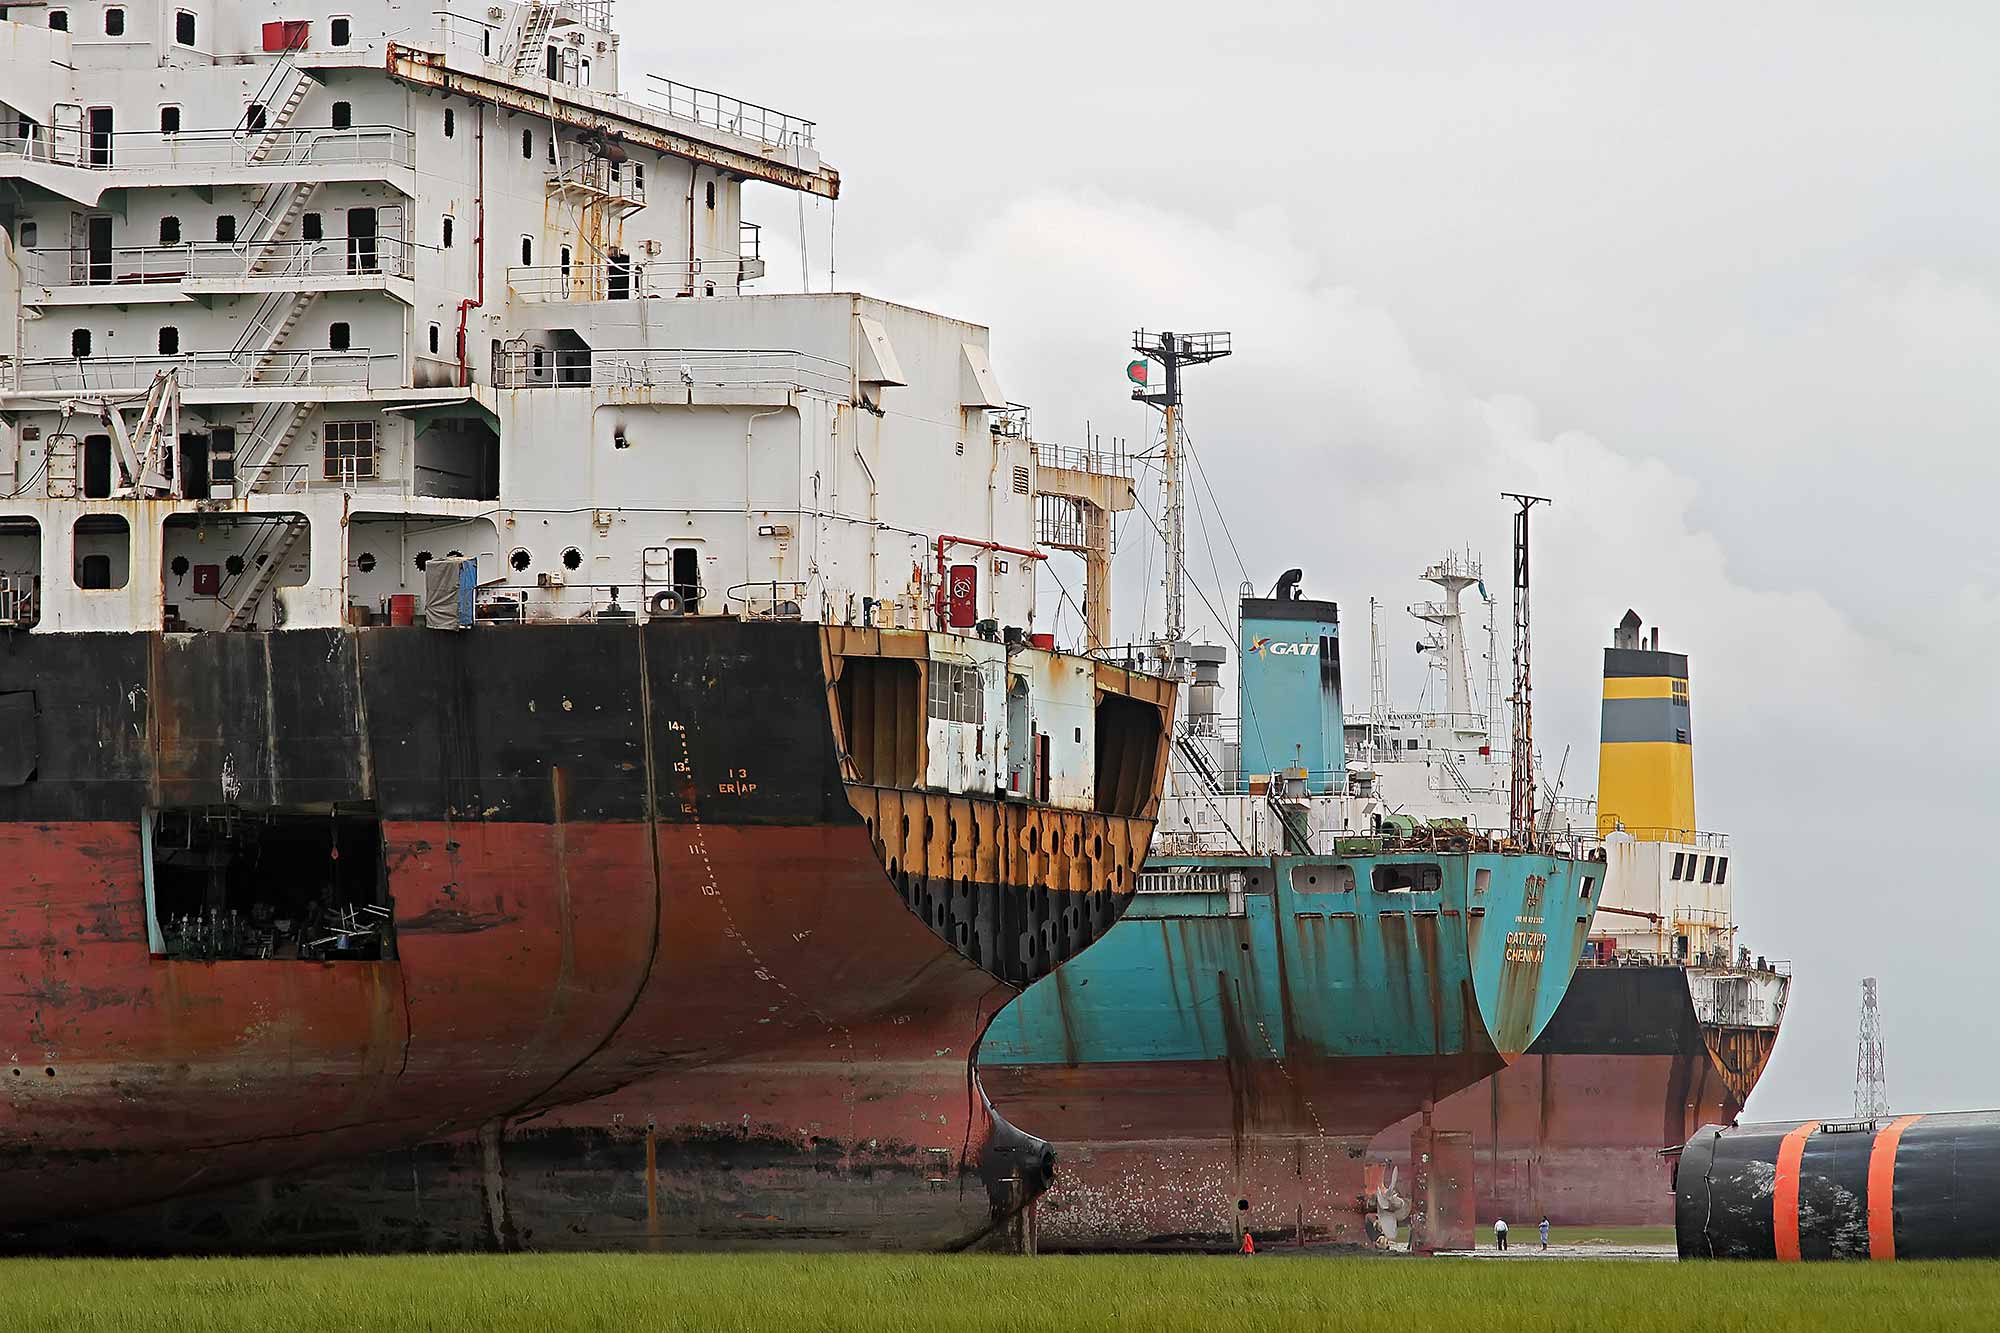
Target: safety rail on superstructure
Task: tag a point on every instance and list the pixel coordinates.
(154, 151)
(197, 262)
(357, 368)
(542, 284)
(525, 367)
(731, 115)
(1739, 963)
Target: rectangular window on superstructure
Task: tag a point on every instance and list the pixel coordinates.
(170, 231)
(343, 115)
(313, 227)
(170, 120)
(340, 31)
(59, 20)
(445, 230)
(450, 122)
(339, 336)
(1680, 864)
(957, 693)
(31, 235)
(114, 22)
(225, 228)
(350, 450)
(170, 341)
(79, 342)
(183, 27)
(528, 145)
(1721, 870)
(437, 339)
(527, 251)
(1708, 870)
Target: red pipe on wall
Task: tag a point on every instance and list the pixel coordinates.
(479, 248)
(945, 540)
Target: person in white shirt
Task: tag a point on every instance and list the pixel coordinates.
(1500, 1233)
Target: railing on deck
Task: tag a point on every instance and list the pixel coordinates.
(594, 175)
(1111, 462)
(150, 150)
(203, 370)
(544, 283)
(732, 115)
(792, 372)
(223, 261)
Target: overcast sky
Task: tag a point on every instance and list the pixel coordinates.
(1722, 280)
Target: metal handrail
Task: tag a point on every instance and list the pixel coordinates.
(1698, 961)
(732, 115)
(350, 369)
(792, 372)
(216, 261)
(130, 149)
(622, 281)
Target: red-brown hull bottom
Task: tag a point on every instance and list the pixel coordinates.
(1577, 1137)
(1171, 1154)
(773, 998)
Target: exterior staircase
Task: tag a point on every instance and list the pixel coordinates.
(267, 137)
(270, 433)
(277, 423)
(272, 222)
(532, 41)
(267, 558)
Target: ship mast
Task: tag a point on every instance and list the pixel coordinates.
(1447, 645)
(1175, 351)
(1521, 811)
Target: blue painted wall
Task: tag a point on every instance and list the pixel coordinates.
(1288, 689)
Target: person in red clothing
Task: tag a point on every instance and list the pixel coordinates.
(1249, 1243)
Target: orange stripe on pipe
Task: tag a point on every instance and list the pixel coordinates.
(1785, 1192)
(1882, 1188)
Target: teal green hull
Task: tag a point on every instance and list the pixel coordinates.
(1207, 1054)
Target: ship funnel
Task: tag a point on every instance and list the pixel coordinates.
(1645, 762)
(1288, 687)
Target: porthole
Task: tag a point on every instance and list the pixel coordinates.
(234, 564)
(366, 562)
(423, 559)
(520, 559)
(179, 566)
(572, 559)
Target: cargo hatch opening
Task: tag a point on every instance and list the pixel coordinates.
(304, 883)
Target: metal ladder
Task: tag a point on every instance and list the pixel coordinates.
(269, 434)
(275, 122)
(270, 223)
(243, 615)
(534, 33)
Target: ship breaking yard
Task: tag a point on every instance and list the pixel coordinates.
(559, 768)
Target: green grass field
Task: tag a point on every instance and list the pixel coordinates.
(637, 1294)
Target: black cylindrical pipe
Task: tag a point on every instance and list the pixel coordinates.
(1907, 1187)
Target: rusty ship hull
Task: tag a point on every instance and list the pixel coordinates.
(1210, 1069)
(1574, 1131)
(676, 943)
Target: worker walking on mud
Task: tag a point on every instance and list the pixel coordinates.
(1545, 1231)
(1499, 1233)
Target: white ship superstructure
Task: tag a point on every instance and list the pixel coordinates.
(337, 294)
